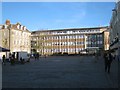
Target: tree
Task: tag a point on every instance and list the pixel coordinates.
(41, 43)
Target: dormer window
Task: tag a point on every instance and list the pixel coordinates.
(18, 26)
(21, 27)
(24, 28)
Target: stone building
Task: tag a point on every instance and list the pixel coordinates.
(115, 30)
(70, 41)
(15, 37)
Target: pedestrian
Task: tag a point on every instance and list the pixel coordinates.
(35, 56)
(21, 60)
(28, 58)
(10, 56)
(38, 56)
(3, 59)
(105, 60)
(12, 60)
(109, 61)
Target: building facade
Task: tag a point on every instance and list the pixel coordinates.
(0, 37)
(115, 30)
(106, 40)
(15, 37)
(70, 41)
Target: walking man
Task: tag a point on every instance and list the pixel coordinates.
(12, 60)
(105, 61)
(108, 60)
(3, 59)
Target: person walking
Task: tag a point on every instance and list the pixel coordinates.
(108, 60)
(12, 60)
(105, 60)
(10, 56)
(28, 59)
(35, 56)
(3, 59)
(21, 60)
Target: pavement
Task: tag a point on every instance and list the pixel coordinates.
(60, 72)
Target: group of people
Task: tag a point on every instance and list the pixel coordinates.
(11, 59)
(36, 56)
(108, 58)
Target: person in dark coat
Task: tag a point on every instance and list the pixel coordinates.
(21, 60)
(38, 56)
(3, 59)
(35, 56)
(108, 58)
(105, 61)
(109, 61)
(12, 60)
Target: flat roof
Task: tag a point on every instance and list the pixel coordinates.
(69, 29)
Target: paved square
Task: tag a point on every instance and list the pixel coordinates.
(61, 72)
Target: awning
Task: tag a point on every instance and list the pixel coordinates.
(4, 49)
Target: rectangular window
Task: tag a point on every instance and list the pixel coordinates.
(100, 42)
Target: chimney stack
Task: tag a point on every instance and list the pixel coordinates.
(7, 22)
